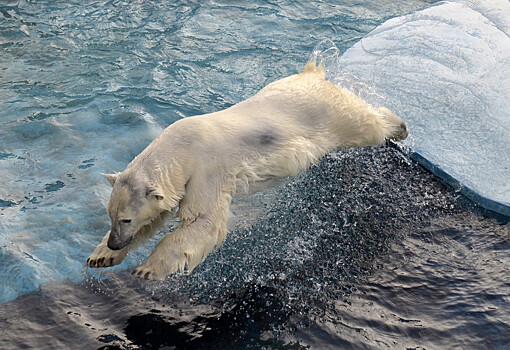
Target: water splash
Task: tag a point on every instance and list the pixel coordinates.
(328, 54)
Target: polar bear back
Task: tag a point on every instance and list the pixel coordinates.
(280, 131)
(308, 105)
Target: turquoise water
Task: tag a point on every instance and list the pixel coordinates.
(366, 250)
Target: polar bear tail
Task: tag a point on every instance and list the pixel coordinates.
(312, 67)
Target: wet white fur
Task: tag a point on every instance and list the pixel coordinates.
(198, 163)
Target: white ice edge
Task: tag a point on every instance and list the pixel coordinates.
(445, 70)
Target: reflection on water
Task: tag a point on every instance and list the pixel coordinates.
(442, 286)
(379, 255)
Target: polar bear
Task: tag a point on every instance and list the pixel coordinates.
(194, 167)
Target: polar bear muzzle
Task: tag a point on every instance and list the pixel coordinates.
(118, 238)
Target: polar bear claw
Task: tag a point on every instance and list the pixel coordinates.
(103, 256)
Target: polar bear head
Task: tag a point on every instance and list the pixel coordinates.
(134, 203)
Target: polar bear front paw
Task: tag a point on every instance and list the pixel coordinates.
(156, 268)
(146, 273)
(104, 257)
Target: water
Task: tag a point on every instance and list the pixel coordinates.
(381, 255)
(366, 250)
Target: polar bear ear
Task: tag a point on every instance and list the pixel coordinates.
(111, 178)
(153, 192)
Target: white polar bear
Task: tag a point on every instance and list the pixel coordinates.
(197, 164)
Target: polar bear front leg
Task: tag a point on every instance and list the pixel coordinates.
(203, 212)
(104, 256)
(181, 250)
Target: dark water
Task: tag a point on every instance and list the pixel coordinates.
(365, 251)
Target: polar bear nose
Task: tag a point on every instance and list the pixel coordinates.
(115, 242)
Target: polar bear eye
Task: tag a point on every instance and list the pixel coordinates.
(125, 221)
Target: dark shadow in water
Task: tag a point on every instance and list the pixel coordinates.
(256, 310)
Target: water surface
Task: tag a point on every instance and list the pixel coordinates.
(366, 250)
